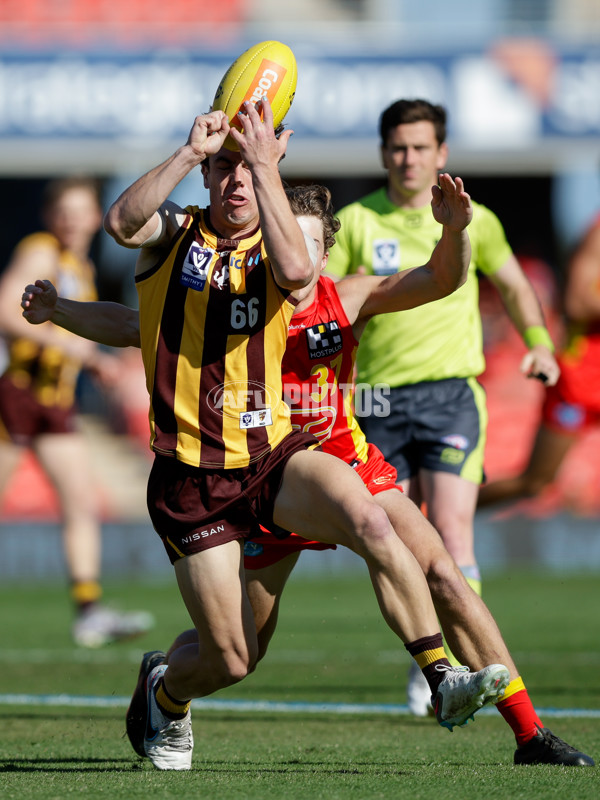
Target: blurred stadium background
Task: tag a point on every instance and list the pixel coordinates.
(111, 89)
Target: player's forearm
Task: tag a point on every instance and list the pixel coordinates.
(110, 324)
(132, 219)
(282, 236)
(523, 308)
(450, 260)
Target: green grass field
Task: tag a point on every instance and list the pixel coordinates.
(331, 647)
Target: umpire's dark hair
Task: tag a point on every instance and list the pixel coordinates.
(404, 112)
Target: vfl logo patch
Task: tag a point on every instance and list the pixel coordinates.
(386, 256)
(323, 339)
(256, 419)
(195, 267)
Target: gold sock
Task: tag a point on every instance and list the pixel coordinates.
(85, 593)
(172, 708)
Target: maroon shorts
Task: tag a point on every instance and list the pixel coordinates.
(193, 509)
(266, 549)
(23, 417)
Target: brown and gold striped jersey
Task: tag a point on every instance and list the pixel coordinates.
(213, 327)
(47, 371)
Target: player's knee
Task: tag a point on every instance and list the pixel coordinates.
(227, 664)
(372, 529)
(444, 578)
(234, 666)
(237, 670)
(79, 513)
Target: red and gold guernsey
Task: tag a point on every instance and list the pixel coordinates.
(45, 370)
(213, 328)
(318, 369)
(579, 360)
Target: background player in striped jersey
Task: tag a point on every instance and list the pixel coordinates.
(216, 289)
(37, 397)
(317, 365)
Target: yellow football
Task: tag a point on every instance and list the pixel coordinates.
(267, 68)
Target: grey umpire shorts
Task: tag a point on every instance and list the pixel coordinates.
(435, 425)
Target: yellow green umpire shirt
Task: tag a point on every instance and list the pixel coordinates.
(435, 341)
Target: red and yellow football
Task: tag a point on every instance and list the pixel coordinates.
(267, 68)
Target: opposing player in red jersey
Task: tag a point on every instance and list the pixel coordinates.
(317, 377)
(572, 406)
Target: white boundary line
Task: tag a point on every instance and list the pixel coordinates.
(77, 701)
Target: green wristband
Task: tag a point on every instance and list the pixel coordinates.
(538, 334)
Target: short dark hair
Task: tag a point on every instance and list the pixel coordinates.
(314, 200)
(404, 112)
(56, 188)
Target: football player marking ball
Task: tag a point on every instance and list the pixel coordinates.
(266, 69)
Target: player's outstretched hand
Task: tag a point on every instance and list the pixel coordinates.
(257, 141)
(450, 204)
(38, 302)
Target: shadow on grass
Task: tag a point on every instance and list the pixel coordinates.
(72, 765)
(62, 764)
